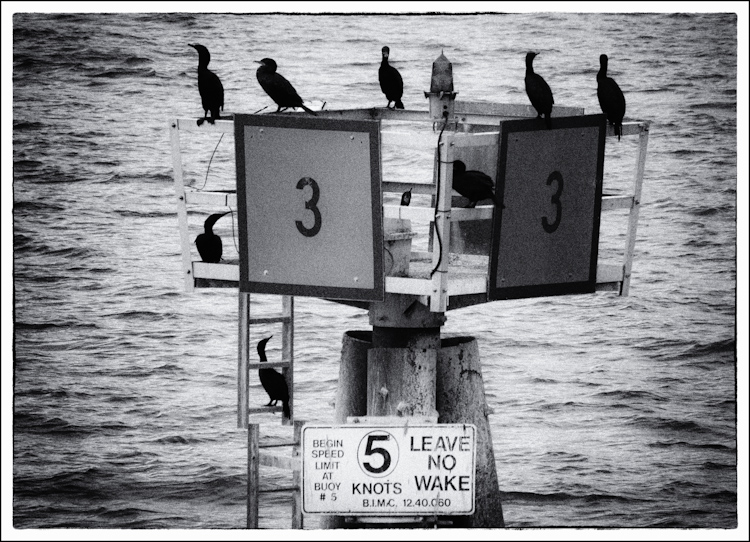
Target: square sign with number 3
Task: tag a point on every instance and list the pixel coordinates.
(546, 236)
(310, 206)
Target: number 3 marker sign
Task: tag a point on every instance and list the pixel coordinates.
(310, 206)
(546, 237)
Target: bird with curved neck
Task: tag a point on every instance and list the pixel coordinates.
(611, 98)
(277, 87)
(273, 381)
(209, 86)
(208, 243)
(538, 91)
(473, 185)
(390, 81)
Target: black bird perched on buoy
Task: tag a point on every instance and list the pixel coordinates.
(208, 243)
(473, 185)
(390, 81)
(277, 87)
(209, 86)
(611, 98)
(273, 381)
(406, 198)
(538, 91)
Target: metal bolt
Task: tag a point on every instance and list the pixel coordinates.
(265, 272)
(356, 279)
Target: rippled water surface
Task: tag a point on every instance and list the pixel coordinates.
(607, 411)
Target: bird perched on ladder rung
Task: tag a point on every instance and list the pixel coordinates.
(273, 381)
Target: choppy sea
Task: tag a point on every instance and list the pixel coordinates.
(614, 412)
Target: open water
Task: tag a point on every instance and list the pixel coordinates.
(608, 411)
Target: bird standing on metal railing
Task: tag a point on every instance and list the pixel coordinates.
(277, 87)
(538, 91)
(390, 81)
(209, 86)
(406, 198)
(273, 381)
(611, 98)
(208, 243)
(473, 185)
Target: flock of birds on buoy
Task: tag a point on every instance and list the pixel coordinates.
(281, 91)
(473, 185)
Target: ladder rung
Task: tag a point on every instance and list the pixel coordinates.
(277, 444)
(278, 489)
(280, 461)
(267, 364)
(270, 319)
(265, 409)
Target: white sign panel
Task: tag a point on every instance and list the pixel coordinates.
(310, 206)
(388, 470)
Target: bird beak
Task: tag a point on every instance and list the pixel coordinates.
(269, 338)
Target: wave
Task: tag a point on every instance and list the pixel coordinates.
(513, 497)
(119, 73)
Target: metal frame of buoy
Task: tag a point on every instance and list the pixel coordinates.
(406, 325)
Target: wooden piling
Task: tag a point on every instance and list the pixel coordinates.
(253, 474)
(401, 381)
(297, 518)
(460, 399)
(351, 395)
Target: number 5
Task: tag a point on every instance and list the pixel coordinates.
(370, 449)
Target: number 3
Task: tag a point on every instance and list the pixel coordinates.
(311, 205)
(550, 228)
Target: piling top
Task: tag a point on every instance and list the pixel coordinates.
(442, 75)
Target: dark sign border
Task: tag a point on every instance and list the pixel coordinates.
(540, 290)
(372, 127)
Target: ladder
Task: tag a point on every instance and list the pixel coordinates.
(226, 275)
(245, 351)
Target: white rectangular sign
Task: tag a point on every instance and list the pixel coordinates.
(388, 470)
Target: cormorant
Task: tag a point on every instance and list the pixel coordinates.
(390, 81)
(277, 87)
(209, 86)
(611, 98)
(473, 185)
(208, 243)
(538, 91)
(273, 381)
(406, 198)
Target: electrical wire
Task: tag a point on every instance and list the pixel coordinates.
(234, 237)
(209, 163)
(437, 198)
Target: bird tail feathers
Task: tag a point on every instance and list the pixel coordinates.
(309, 110)
(548, 120)
(285, 408)
(399, 104)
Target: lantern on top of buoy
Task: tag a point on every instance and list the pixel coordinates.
(441, 94)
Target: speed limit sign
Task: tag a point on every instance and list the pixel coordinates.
(385, 471)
